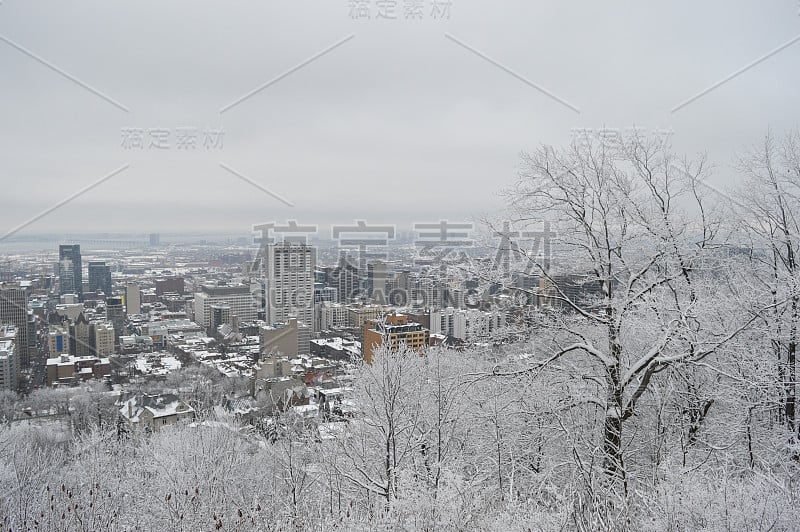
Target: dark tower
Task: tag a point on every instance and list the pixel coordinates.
(70, 270)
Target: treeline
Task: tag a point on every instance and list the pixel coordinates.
(441, 443)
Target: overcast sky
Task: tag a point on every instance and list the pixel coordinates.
(404, 120)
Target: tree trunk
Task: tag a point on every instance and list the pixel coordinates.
(791, 372)
(613, 464)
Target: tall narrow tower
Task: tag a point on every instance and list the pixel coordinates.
(70, 270)
(289, 281)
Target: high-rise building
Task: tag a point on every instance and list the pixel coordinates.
(347, 280)
(449, 322)
(220, 315)
(326, 294)
(155, 239)
(115, 313)
(331, 315)
(103, 334)
(9, 348)
(14, 311)
(238, 297)
(133, 299)
(100, 277)
(70, 270)
(79, 337)
(289, 282)
(31, 333)
(377, 277)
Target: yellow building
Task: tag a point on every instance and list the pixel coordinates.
(394, 330)
(358, 316)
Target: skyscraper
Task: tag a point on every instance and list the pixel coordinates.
(79, 337)
(9, 349)
(377, 276)
(133, 299)
(99, 277)
(115, 313)
(102, 335)
(347, 277)
(70, 270)
(14, 311)
(289, 280)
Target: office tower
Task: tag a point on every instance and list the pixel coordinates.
(238, 297)
(115, 313)
(220, 315)
(70, 270)
(14, 311)
(133, 299)
(31, 332)
(79, 337)
(377, 276)
(347, 280)
(289, 281)
(9, 349)
(449, 322)
(99, 277)
(103, 339)
(331, 315)
(155, 240)
(328, 294)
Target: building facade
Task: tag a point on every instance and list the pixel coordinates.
(99, 277)
(70, 270)
(394, 330)
(238, 297)
(9, 365)
(115, 313)
(103, 335)
(14, 311)
(79, 337)
(289, 282)
(133, 299)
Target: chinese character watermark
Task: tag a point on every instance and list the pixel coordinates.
(400, 9)
(448, 267)
(180, 138)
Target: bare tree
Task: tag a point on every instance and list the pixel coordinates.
(390, 432)
(635, 230)
(772, 195)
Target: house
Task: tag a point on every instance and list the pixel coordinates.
(153, 411)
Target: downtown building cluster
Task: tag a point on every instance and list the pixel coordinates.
(291, 318)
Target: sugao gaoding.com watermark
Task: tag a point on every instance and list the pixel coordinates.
(449, 268)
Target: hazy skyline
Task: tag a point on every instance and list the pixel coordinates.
(394, 121)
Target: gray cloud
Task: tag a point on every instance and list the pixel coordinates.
(398, 123)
